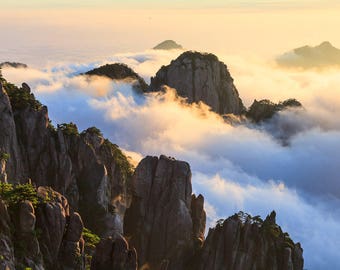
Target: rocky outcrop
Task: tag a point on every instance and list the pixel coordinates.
(200, 77)
(168, 45)
(113, 253)
(165, 223)
(264, 109)
(89, 170)
(120, 71)
(244, 243)
(43, 235)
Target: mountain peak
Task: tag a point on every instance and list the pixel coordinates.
(168, 45)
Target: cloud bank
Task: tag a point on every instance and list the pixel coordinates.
(235, 167)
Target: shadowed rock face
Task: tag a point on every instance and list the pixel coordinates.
(120, 72)
(113, 253)
(244, 243)
(164, 223)
(45, 237)
(200, 77)
(90, 171)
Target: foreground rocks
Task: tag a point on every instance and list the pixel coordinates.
(165, 223)
(200, 77)
(113, 253)
(42, 236)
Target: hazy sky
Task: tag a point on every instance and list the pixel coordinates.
(166, 4)
(82, 34)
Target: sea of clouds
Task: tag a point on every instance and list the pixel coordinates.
(240, 167)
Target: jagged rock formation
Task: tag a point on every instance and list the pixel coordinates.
(200, 77)
(168, 45)
(113, 253)
(165, 223)
(244, 243)
(120, 71)
(89, 170)
(323, 55)
(265, 109)
(41, 234)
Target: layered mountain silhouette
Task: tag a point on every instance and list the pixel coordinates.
(321, 56)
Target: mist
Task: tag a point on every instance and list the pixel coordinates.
(242, 167)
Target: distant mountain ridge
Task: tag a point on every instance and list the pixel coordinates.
(168, 45)
(321, 56)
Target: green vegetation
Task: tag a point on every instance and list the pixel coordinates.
(265, 109)
(20, 98)
(193, 55)
(12, 195)
(124, 165)
(93, 130)
(91, 240)
(4, 156)
(69, 129)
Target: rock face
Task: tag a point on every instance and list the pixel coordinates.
(168, 45)
(164, 223)
(113, 253)
(44, 236)
(265, 109)
(244, 243)
(90, 171)
(200, 77)
(120, 72)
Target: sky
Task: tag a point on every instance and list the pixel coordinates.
(235, 167)
(65, 33)
(167, 4)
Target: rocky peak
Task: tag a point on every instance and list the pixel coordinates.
(265, 109)
(164, 221)
(242, 242)
(200, 77)
(120, 71)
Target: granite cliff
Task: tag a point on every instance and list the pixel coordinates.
(201, 77)
(89, 170)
